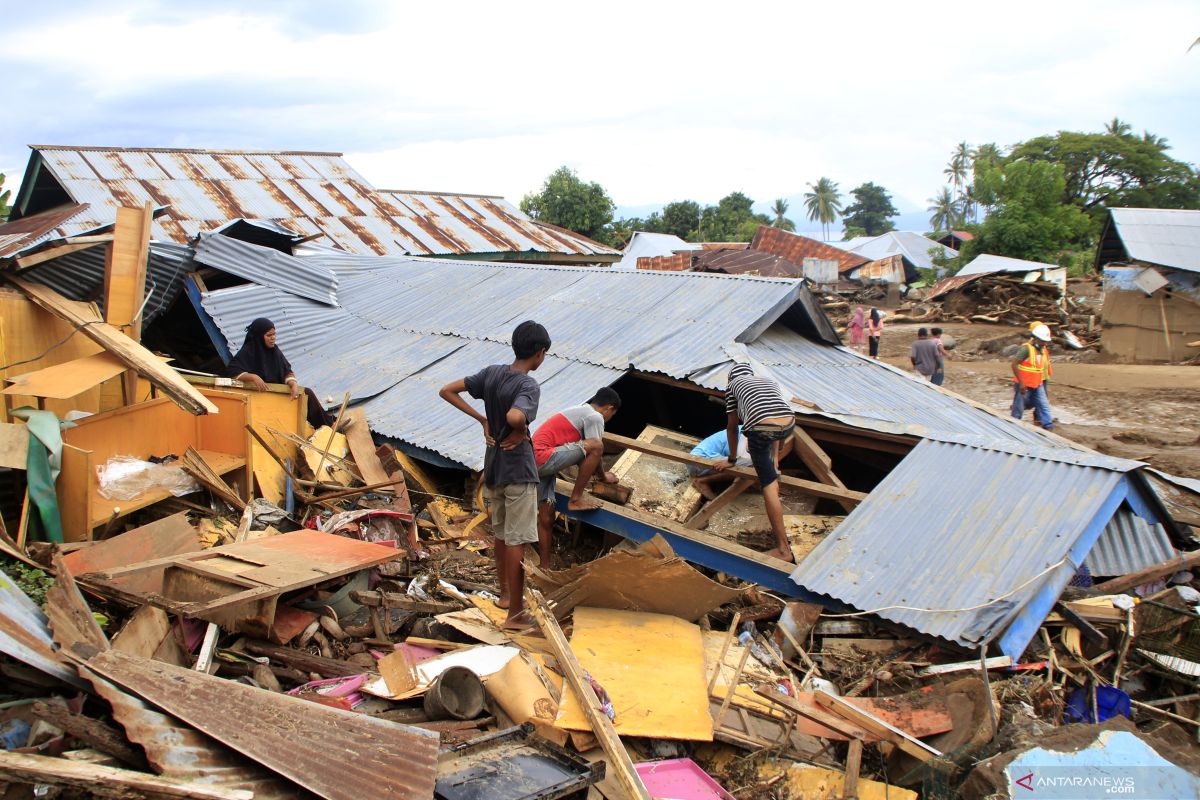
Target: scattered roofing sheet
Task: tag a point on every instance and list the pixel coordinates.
(1129, 543)
(913, 246)
(676, 262)
(1167, 237)
(987, 263)
(947, 285)
(796, 248)
(22, 234)
(334, 753)
(299, 276)
(647, 245)
(748, 262)
(981, 535)
(25, 636)
(446, 223)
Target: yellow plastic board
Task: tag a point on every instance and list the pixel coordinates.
(651, 665)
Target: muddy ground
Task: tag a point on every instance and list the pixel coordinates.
(1143, 412)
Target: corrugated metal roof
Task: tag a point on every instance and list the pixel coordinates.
(21, 234)
(913, 246)
(644, 244)
(987, 263)
(340, 755)
(1169, 237)
(299, 276)
(1129, 543)
(796, 248)
(464, 223)
(80, 275)
(947, 285)
(869, 394)
(676, 262)
(25, 635)
(310, 193)
(956, 526)
(747, 262)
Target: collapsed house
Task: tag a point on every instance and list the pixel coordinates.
(1150, 259)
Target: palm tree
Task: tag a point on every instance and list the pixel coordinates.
(959, 166)
(945, 211)
(824, 204)
(1118, 127)
(780, 209)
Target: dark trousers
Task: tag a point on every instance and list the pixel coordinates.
(317, 416)
(874, 342)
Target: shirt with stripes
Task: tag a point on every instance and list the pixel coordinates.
(755, 399)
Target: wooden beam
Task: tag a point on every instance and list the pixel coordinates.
(810, 421)
(731, 493)
(102, 781)
(832, 721)
(808, 487)
(95, 733)
(853, 764)
(818, 461)
(125, 266)
(1152, 573)
(601, 725)
(84, 317)
(33, 259)
(850, 438)
(914, 747)
(678, 384)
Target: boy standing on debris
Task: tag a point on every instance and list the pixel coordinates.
(766, 420)
(510, 399)
(572, 437)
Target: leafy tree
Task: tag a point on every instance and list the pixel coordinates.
(569, 202)
(985, 157)
(1116, 168)
(4, 195)
(871, 210)
(1030, 220)
(732, 219)
(681, 218)
(780, 209)
(823, 202)
(946, 212)
(853, 232)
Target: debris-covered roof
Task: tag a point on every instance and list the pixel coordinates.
(1167, 237)
(959, 541)
(986, 264)
(748, 262)
(314, 194)
(796, 248)
(910, 244)
(21, 234)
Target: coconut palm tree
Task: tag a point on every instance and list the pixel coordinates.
(1118, 127)
(780, 209)
(824, 204)
(959, 166)
(945, 211)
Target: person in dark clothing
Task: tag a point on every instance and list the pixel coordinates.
(510, 401)
(260, 362)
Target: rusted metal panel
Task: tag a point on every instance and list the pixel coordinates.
(947, 285)
(22, 234)
(796, 248)
(889, 269)
(25, 636)
(336, 754)
(747, 262)
(676, 262)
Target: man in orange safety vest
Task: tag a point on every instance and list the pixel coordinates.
(1031, 373)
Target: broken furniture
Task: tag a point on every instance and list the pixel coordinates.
(512, 764)
(156, 427)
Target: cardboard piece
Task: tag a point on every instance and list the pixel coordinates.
(476, 624)
(14, 445)
(401, 680)
(649, 578)
(651, 665)
(525, 698)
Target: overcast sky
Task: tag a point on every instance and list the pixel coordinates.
(656, 101)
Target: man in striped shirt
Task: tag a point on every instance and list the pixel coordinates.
(766, 420)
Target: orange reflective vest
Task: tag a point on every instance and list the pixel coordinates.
(1035, 369)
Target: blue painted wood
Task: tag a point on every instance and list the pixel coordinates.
(210, 326)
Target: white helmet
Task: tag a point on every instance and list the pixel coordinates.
(1041, 332)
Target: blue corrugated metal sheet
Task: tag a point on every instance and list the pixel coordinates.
(80, 275)
(955, 527)
(299, 276)
(1129, 543)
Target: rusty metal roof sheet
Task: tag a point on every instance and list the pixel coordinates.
(644, 244)
(313, 194)
(747, 262)
(676, 262)
(179, 751)
(22, 234)
(25, 635)
(947, 285)
(340, 755)
(462, 223)
(796, 248)
(970, 543)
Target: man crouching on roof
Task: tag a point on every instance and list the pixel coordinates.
(510, 400)
(573, 436)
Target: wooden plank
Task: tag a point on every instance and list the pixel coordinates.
(162, 538)
(818, 461)
(601, 725)
(95, 733)
(143, 633)
(1152, 573)
(809, 487)
(84, 317)
(853, 764)
(997, 662)
(358, 436)
(125, 269)
(102, 781)
(64, 381)
(74, 490)
(51, 253)
(836, 723)
(850, 439)
(652, 488)
(731, 492)
(914, 747)
(14, 445)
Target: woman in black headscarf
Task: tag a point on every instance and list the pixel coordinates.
(260, 362)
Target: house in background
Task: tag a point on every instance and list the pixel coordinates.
(644, 244)
(1150, 258)
(988, 264)
(316, 196)
(955, 239)
(909, 245)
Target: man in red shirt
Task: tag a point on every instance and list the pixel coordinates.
(573, 436)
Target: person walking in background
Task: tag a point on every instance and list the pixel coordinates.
(510, 401)
(924, 354)
(875, 330)
(939, 374)
(857, 329)
(1031, 375)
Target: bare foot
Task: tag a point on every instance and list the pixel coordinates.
(582, 505)
(502, 602)
(783, 555)
(705, 491)
(611, 478)
(518, 623)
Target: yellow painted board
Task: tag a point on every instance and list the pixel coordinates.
(325, 440)
(63, 381)
(651, 665)
(282, 413)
